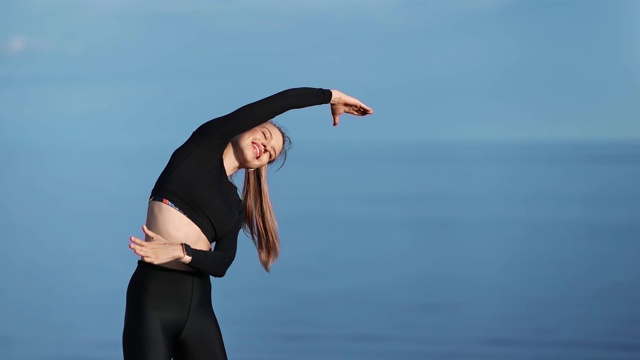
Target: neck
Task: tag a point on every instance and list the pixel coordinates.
(231, 164)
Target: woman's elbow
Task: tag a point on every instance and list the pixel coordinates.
(218, 273)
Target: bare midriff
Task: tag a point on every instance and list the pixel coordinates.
(175, 228)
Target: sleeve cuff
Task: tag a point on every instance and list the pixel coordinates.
(326, 96)
(197, 259)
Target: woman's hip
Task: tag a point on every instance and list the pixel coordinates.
(158, 288)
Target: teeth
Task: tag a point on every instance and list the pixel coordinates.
(256, 150)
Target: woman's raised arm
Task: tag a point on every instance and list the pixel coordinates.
(261, 111)
(251, 115)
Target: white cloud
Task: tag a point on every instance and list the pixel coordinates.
(16, 45)
(19, 44)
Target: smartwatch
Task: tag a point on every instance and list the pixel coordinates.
(186, 250)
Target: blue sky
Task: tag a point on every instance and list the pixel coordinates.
(116, 72)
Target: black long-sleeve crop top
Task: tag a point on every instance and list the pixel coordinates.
(195, 180)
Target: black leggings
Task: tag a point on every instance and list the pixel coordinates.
(169, 314)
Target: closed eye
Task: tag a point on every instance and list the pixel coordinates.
(272, 154)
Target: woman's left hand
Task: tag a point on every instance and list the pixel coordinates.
(342, 103)
(157, 250)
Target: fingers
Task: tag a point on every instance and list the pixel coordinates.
(137, 241)
(349, 105)
(138, 246)
(149, 233)
(364, 109)
(358, 109)
(139, 249)
(149, 252)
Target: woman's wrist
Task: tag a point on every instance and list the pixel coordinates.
(181, 254)
(335, 97)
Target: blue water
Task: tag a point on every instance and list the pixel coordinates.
(390, 250)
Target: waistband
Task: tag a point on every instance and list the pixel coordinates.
(165, 201)
(154, 267)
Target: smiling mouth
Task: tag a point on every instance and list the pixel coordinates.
(257, 150)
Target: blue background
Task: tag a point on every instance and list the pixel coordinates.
(487, 210)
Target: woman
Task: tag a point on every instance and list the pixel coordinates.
(194, 204)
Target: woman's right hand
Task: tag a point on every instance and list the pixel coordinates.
(342, 103)
(156, 250)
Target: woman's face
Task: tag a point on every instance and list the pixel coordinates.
(257, 147)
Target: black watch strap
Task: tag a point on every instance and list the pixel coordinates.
(186, 249)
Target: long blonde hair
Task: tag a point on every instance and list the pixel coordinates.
(259, 219)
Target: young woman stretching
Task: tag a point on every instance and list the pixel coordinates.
(194, 204)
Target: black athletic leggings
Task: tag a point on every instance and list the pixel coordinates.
(169, 314)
